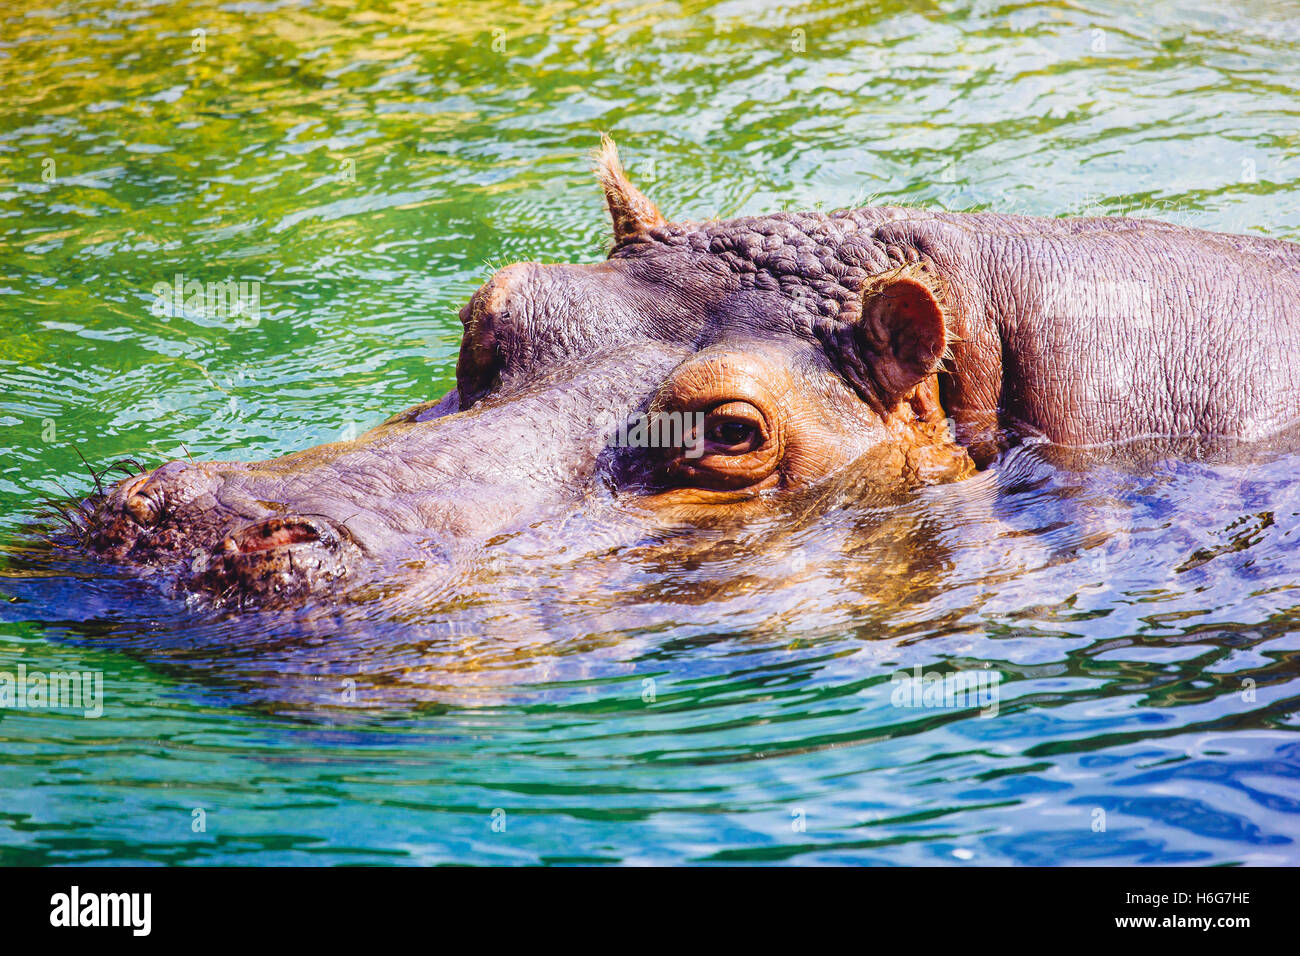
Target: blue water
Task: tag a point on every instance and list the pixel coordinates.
(371, 165)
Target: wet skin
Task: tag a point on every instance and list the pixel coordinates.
(897, 346)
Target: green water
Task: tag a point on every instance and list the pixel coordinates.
(371, 165)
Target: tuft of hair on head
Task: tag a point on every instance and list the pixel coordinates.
(632, 213)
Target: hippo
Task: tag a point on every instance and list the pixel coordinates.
(713, 372)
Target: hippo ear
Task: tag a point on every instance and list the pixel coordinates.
(902, 336)
(632, 213)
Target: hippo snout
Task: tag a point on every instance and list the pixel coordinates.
(215, 531)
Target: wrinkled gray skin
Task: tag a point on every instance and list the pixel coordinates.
(1081, 331)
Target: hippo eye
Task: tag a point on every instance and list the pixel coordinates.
(731, 433)
(734, 428)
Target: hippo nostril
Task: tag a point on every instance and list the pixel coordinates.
(142, 509)
(142, 501)
(139, 505)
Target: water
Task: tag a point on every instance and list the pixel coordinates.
(370, 165)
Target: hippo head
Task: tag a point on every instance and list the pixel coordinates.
(703, 373)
